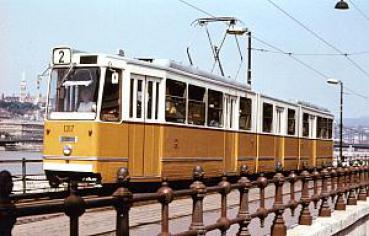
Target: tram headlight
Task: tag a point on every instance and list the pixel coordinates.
(67, 150)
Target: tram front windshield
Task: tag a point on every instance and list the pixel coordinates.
(73, 93)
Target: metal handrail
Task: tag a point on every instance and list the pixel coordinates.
(334, 183)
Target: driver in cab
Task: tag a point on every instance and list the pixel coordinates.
(86, 104)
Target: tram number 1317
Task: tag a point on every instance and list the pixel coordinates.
(62, 56)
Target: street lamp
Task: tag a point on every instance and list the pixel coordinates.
(335, 82)
(341, 5)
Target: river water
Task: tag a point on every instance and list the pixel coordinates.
(16, 168)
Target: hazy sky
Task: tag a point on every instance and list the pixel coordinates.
(29, 29)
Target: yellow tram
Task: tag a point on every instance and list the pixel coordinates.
(160, 119)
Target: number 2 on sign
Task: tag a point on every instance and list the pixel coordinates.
(61, 58)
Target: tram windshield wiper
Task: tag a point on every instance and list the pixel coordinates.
(70, 70)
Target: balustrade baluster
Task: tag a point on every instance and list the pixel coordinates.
(7, 207)
(223, 220)
(243, 212)
(279, 227)
(362, 192)
(74, 207)
(340, 202)
(262, 212)
(305, 216)
(346, 182)
(199, 192)
(165, 198)
(316, 197)
(325, 210)
(366, 171)
(351, 185)
(334, 184)
(122, 202)
(293, 203)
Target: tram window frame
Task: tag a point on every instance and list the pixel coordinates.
(110, 94)
(151, 98)
(291, 121)
(305, 125)
(196, 105)
(268, 117)
(140, 98)
(215, 105)
(149, 94)
(280, 120)
(59, 104)
(137, 97)
(175, 101)
(229, 111)
(245, 116)
(131, 94)
(319, 127)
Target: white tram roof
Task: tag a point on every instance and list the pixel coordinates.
(163, 64)
(170, 65)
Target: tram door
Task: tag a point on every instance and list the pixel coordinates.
(230, 138)
(153, 132)
(144, 136)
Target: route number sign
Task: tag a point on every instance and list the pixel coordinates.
(62, 56)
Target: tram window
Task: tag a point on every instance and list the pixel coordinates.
(267, 117)
(175, 101)
(196, 105)
(322, 128)
(139, 97)
(215, 108)
(305, 125)
(245, 113)
(110, 105)
(291, 130)
(152, 99)
(231, 112)
(73, 91)
(149, 99)
(329, 128)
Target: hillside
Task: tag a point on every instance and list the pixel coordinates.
(17, 108)
(354, 122)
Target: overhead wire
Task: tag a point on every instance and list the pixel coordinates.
(316, 71)
(308, 54)
(359, 10)
(196, 8)
(354, 63)
(278, 50)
